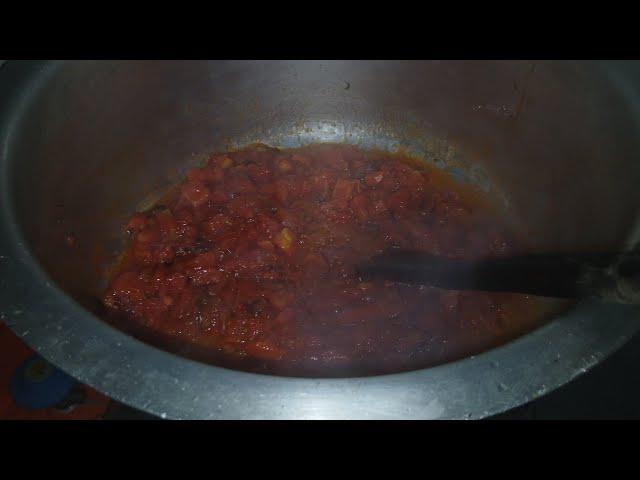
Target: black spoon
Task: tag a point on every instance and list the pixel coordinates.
(613, 277)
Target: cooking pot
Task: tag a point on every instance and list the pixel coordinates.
(85, 143)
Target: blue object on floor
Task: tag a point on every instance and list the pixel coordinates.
(38, 384)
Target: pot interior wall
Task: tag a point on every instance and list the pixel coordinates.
(554, 141)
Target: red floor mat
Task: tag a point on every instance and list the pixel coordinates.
(12, 353)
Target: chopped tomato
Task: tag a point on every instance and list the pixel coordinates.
(253, 258)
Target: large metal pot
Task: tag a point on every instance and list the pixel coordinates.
(557, 141)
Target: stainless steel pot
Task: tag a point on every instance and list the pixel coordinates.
(556, 141)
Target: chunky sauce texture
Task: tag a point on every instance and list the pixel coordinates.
(250, 263)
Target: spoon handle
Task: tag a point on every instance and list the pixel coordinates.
(614, 277)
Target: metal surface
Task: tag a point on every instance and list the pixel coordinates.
(557, 141)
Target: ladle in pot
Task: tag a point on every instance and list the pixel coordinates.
(613, 277)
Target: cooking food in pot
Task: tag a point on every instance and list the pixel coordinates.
(251, 262)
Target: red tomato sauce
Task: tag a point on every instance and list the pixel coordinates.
(251, 263)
